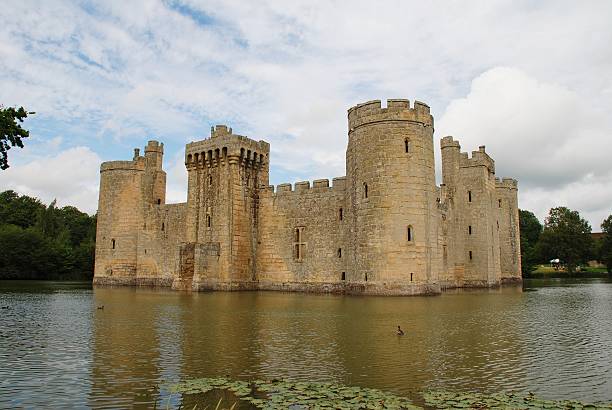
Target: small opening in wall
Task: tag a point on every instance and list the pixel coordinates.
(110, 273)
(407, 145)
(470, 229)
(113, 243)
(469, 196)
(365, 190)
(339, 252)
(343, 276)
(340, 216)
(470, 255)
(409, 234)
(158, 201)
(498, 225)
(499, 203)
(145, 251)
(411, 273)
(298, 244)
(163, 226)
(208, 221)
(366, 277)
(209, 180)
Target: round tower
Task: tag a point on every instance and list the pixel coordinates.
(392, 198)
(119, 221)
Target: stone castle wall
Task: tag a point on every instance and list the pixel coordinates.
(384, 228)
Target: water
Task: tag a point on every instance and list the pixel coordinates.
(57, 349)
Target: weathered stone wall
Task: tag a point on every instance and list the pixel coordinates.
(509, 233)
(319, 214)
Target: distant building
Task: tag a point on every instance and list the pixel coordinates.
(384, 228)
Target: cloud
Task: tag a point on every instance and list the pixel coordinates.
(114, 74)
(542, 134)
(70, 176)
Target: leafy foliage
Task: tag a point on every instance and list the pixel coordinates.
(566, 236)
(605, 251)
(451, 400)
(282, 394)
(531, 229)
(11, 132)
(44, 242)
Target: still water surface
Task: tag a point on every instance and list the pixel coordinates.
(58, 349)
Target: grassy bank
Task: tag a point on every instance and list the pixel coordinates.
(547, 271)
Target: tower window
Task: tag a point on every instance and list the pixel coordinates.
(499, 203)
(163, 226)
(340, 214)
(407, 145)
(470, 255)
(411, 273)
(210, 180)
(298, 244)
(470, 229)
(343, 276)
(366, 277)
(469, 196)
(498, 225)
(158, 201)
(208, 221)
(113, 243)
(339, 252)
(409, 234)
(365, 190)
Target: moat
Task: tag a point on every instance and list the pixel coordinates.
(59, 349)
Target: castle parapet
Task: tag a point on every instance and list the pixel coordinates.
(449, 142)
(138, 164)
(507, 183)
(396, 110)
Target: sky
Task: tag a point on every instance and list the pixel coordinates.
(530, 80)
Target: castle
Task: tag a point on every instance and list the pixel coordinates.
(384, 228)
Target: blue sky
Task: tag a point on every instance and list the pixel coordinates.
(531, 81)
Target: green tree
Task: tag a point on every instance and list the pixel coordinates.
(19, 210)
(605, 251)
(11, 132)
(531, 229)
(566, 236)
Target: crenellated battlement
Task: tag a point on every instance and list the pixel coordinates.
(478, 159)
(318, 185)
(507, 183)
(138, 164)
(449, 142)
(225, 147)
(372, 112)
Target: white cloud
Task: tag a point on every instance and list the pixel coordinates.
(70, 176)
(117, 73)
(541, 133)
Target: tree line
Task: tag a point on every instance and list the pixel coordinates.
(39, 241)
(566, 236)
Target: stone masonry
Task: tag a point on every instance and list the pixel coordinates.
(384, 228)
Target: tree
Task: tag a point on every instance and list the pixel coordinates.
(606, 243)
(531, 228)
(19, 210)
(566, 236)
(11, 132)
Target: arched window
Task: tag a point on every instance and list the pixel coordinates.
(409, 233)
(407, 145)
(113, 243)
(158, 201)
(365, 190)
